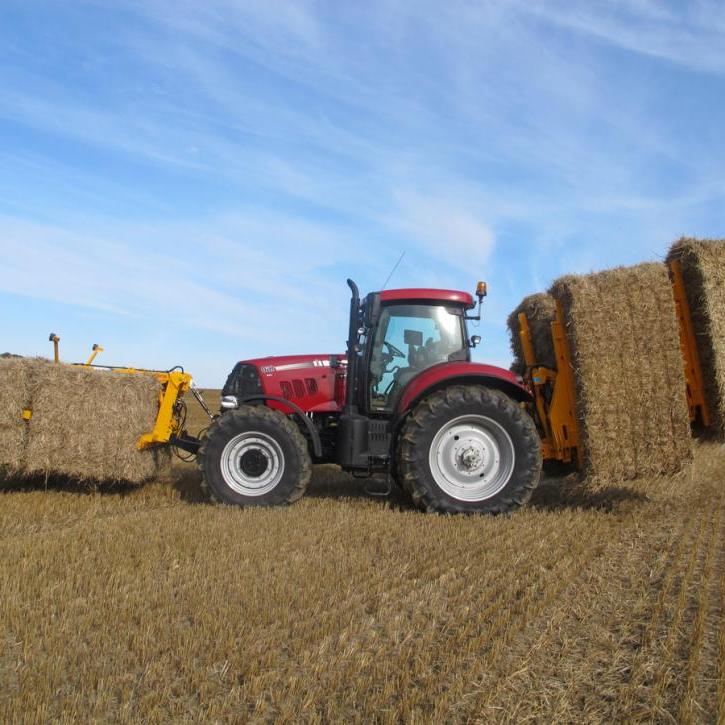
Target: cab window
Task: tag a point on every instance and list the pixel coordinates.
(409, 339)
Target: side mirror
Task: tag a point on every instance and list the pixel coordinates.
(413, 337)
(475, 340)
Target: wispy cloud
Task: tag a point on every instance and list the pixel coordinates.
(688, 34)
(237, 157)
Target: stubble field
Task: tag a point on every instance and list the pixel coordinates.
(149, 604)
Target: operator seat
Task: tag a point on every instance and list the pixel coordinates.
(405, 375)
(420, 359)
(400, 379)
(402, 376)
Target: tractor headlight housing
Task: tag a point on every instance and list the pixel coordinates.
(242, 382)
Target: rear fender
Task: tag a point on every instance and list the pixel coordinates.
(463, 373)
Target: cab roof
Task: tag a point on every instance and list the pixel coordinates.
(427, 295)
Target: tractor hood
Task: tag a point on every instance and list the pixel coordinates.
(283, 363)
(315, 383)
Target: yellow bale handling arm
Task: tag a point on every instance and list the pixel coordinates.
(696, 402)
(168, 424)
(554, 393)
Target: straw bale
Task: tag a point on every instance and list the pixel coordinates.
(540, 311)
(86, 423)
(703, 269)
(13, 391)
(631, 403)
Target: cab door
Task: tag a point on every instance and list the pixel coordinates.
(410, 338)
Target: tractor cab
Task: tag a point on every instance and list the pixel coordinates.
(409, 331)
(395, 335)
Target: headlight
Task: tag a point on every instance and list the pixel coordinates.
(229, 402)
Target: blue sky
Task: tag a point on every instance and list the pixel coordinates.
(191, 182)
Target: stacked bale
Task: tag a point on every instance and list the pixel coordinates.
(85, 422)
(703, 270)
(540, 310)
(631, 404)
(13, 390)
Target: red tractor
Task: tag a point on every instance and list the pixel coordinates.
(405, 400)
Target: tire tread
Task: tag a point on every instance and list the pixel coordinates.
(412, 454)
(228, 424)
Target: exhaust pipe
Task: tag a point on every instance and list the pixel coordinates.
(352, 349)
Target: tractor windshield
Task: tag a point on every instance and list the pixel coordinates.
(410, 338)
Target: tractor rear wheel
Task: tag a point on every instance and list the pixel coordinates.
(254, 456)
(469, 449)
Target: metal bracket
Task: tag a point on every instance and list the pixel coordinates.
(557, 416)
(696, 401)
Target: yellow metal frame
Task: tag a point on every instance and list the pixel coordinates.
(94, 351)
(688, 345)
(175, 385)
(55, 340)
(558, 415)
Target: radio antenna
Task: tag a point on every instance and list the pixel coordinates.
(395, 266)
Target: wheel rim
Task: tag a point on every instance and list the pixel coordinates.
(472, 458)
(252, 463)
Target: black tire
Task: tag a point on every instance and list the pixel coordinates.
(271, 446)
(441, 409)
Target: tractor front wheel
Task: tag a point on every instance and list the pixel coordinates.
(254, 456)
(469, 449)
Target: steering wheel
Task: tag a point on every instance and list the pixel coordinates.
(393, 350)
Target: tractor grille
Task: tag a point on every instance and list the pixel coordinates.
(296, 388)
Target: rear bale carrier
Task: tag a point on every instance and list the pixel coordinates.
(540, 311)
(628, 371)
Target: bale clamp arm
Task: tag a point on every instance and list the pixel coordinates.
(557, 415)
(696, 402)
(175, 383)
